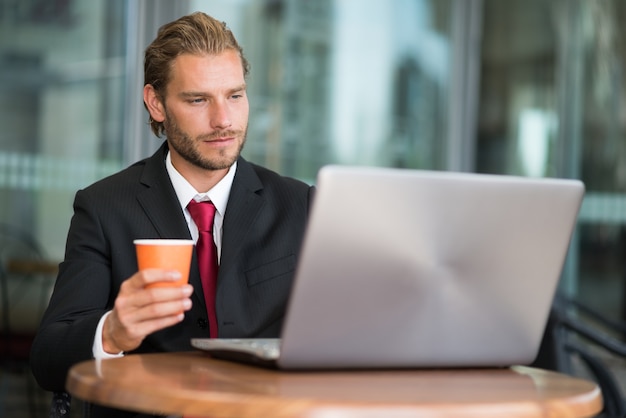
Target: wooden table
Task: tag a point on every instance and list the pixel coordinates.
(193, 383)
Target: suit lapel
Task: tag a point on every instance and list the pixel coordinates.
(244, 205)
(159, 200)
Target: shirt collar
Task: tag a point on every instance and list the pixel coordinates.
(185, 191)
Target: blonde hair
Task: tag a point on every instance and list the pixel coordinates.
(197, 34)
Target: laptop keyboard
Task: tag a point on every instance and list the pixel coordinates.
(268, 348)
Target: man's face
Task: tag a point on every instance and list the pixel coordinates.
(206, 110)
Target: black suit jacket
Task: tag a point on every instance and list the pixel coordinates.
(262, 232)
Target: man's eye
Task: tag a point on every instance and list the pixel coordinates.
(196, 100)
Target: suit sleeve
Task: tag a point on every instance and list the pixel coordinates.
(80, 298)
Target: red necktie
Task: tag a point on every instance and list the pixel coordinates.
(203, 214)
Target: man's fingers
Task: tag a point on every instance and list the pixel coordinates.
(146, 277)
(156, 311)
(154, 303)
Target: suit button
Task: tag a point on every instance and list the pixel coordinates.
(202, 323)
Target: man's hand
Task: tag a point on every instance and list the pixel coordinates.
(139, 311)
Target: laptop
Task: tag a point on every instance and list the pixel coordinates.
(420, 269)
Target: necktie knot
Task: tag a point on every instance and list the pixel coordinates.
(203, 214)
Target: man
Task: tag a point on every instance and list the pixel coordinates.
(195, 93)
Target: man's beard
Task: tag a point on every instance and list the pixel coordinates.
(185, 146)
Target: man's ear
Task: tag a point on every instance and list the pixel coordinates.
(153, 103)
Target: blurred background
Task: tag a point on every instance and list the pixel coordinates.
(525, 87)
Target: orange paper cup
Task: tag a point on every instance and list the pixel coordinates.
(169, 254)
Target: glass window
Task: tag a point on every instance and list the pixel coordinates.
(61, 109)
(337, 82)
(552, 104)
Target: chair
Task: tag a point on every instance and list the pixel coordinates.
(26, 280)
(578, 337)
(61, 404)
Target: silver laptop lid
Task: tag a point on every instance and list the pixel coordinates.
(406, 268)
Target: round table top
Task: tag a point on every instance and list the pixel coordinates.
(194, 383)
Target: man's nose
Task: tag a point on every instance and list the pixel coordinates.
(220, 116)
